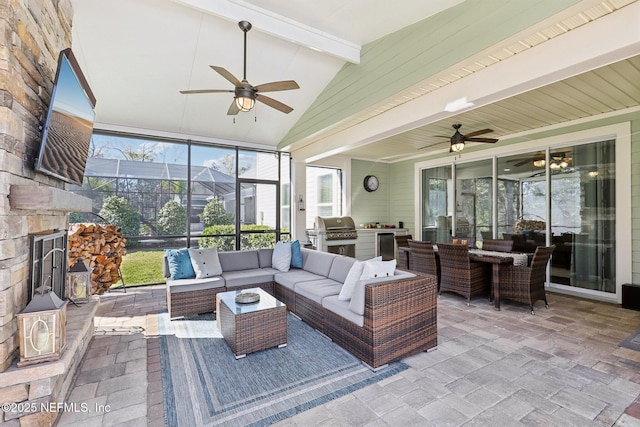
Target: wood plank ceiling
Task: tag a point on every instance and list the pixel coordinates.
(607, 89)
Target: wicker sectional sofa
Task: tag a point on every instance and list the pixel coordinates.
(386, 319)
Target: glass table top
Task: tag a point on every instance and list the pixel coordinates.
(266, 302)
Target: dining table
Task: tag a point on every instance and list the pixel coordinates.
(497, 259)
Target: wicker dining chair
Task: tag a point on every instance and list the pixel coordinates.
(423, 257)
(402, 242)
(526, 284)
(497, 245)
(459, 275)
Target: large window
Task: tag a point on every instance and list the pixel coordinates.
(324, 193)
(577, 214)
(179, 193)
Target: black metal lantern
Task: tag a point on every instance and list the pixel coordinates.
(78, 285)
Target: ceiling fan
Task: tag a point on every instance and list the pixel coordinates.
(558, 160)
(458, 139)
(245, 94)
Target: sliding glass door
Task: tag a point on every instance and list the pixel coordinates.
(474, 200)
(437, 204)
(563, 196)
(583, 212)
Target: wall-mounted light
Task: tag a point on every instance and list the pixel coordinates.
(301, 203)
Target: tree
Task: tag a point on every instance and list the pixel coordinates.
(172, 218)
(116, 210)
(215, 214)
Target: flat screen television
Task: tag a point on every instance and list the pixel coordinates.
(67, 131)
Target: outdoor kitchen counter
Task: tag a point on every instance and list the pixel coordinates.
(366, 244)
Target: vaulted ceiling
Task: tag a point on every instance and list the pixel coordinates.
(547, 63)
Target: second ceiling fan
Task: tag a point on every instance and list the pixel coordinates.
(245, 94)
(458, 140)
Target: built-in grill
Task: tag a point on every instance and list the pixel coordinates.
(337, 227)
(335, 234)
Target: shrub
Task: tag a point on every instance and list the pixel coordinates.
(172, 218)
(247, 241)
(117, 211)
(215, 214)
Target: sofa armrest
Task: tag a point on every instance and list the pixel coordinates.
(401, 316)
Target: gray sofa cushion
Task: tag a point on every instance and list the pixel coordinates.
(341, 308)
(247, 277)
(264, 257)
(238, 260)
(316, 290)
(340, 268)
(357, 299)
(293, 276)
(318, 262)
(188, 285)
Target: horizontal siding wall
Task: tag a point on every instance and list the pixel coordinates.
(402, 198)
(370, 207)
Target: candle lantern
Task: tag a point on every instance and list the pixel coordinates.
(42, 328)
(78, 285)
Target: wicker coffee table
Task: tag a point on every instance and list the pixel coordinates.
(248, 328)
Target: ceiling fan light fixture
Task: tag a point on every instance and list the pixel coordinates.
(245, 98)
(245, 103)
(539, 163)
(457, 147)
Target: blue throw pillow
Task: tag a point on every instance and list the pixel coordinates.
(296, 254)
(179, 264)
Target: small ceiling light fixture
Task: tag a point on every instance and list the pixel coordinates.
(245, 99)
(539, 163)
(456, 147)
(458, 104)
(556, 165)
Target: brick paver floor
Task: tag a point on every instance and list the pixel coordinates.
(559, 367)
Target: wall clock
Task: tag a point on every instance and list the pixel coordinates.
(371, 183)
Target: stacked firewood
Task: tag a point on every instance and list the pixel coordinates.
(102, 248)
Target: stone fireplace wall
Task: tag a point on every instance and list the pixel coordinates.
(32, 33)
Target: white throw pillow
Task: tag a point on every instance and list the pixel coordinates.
(350, 281)
(346, 292)
(205, 262)
(281, 258)
(376, 269)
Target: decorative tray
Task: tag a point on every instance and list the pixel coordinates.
(248, 298)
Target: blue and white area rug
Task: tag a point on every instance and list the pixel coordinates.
(204, 385)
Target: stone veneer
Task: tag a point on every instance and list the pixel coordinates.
(32, 33)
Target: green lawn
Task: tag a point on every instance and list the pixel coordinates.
(142, 267)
